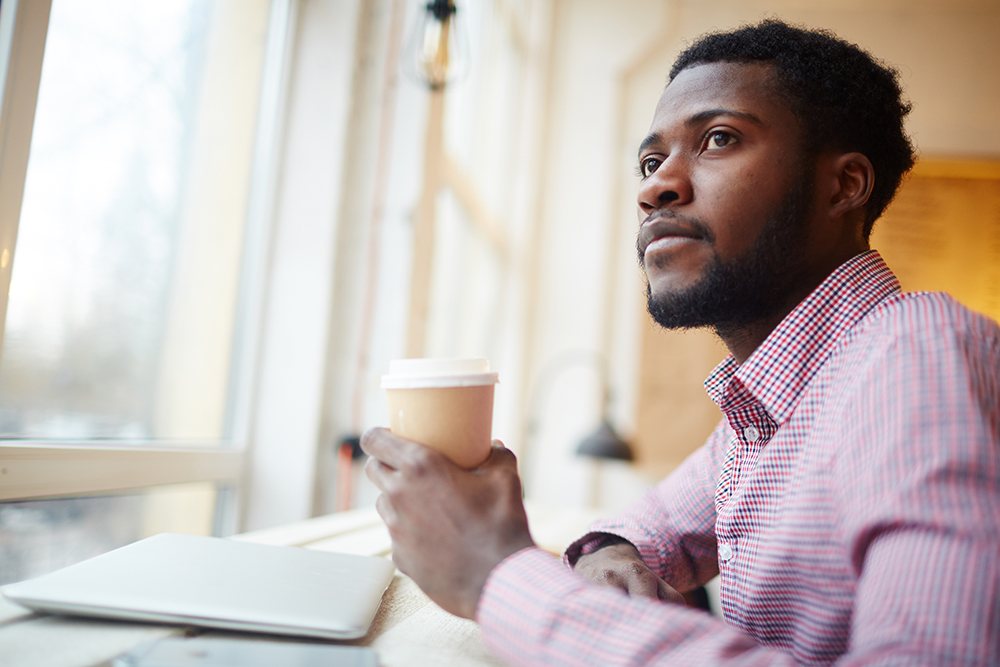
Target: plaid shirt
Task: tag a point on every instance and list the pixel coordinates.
(850, 501)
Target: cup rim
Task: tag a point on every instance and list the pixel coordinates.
(438, 381)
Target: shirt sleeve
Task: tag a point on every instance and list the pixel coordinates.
(920, 500)
(535, 611)
(673, 524)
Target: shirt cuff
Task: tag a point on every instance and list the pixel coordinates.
(588, 544)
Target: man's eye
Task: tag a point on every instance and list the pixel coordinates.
(648, 165)
(718, 140)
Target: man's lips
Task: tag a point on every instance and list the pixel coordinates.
(663, 232)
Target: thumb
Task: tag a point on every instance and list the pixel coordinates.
(499, 456)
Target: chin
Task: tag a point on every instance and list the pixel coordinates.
(669, 288)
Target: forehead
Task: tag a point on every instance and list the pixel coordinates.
(748, 88)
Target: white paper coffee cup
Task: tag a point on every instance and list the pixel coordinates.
(446, 404)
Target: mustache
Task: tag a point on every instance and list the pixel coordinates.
(667, 222)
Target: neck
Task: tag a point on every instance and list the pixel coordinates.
(743, 338)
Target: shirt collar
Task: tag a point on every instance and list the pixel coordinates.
(780, 369)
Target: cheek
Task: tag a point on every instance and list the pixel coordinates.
(738, 208)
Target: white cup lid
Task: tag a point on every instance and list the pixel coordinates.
(417, 373)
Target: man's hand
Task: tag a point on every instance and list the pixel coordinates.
(619, 565)
(450, 526)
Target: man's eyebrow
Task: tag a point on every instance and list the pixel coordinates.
(709, 114)
(648, 141)
(699, 118)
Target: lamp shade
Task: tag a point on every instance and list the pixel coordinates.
(605, 443)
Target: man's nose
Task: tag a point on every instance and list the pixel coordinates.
(668, 185)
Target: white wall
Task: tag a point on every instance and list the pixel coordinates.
(288, 405)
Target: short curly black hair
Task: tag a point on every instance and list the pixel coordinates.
(845, 98)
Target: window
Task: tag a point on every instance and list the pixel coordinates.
(129, 317)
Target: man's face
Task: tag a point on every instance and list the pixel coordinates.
(726, 200)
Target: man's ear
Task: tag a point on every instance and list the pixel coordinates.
(855, 178)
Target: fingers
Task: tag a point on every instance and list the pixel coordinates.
(611, 578)
(643, 588)
(381, 444)
(633, 578)
(638, 581)
(647, 584)
(379, 473)
(641, 581)
(668, 593)
(397, 453)
(385, 510)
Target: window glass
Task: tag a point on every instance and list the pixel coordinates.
(39, 536)
(126, 271)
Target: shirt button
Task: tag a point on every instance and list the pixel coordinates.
(751, 433)
(725, 552)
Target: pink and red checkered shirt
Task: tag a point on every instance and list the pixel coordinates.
(850, 501)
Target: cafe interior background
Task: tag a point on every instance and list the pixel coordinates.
(232, 214)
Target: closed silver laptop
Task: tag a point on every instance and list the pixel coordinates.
(218, 583)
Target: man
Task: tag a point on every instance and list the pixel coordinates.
(850, 496)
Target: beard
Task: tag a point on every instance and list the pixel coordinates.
(752, 287)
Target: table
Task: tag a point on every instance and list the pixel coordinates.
(408, 630)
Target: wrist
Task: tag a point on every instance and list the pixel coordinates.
(597, 542)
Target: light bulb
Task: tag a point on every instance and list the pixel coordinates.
(437, 52)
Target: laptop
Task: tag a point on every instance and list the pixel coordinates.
(218, 583)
